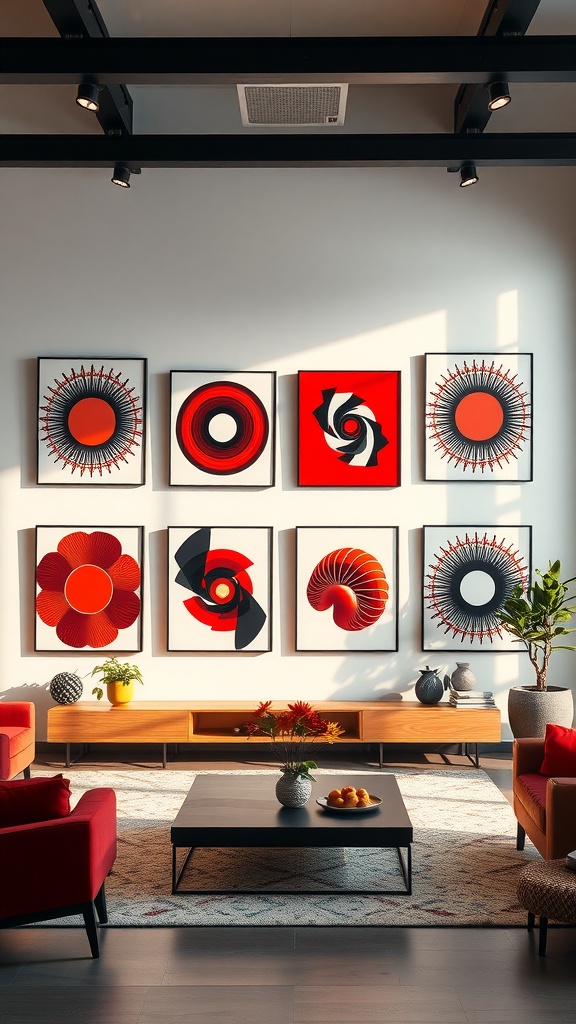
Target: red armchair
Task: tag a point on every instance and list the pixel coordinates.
(17, 737)
(58, 867)
(545, 807)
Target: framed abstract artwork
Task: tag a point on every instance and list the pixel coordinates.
(478, 416)
(219, 588)
(88, 588)
(348, 428)
(347, 588)
(91, 421)
(469, 571)
(222, 428)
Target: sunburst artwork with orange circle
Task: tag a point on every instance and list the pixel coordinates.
(478, 417)
(91, 421)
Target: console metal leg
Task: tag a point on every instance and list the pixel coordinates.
(381, 746)
(164, 754)
(67, 755)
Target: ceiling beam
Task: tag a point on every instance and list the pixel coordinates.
(361, 61)
(503, 18)
(509, 17)
(81, 19)
(439, 150)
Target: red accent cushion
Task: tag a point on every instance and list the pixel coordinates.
(24, 801)
(559, 752)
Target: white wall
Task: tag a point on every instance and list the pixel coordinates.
(283, 270)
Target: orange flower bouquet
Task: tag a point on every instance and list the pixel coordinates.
(295, 733)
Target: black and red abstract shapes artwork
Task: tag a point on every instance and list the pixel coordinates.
(478, 417)
(469, 571)
(348, 428)
(88, 593)
(219, 592)
(346, 588)
(222, 428)
(91, 421)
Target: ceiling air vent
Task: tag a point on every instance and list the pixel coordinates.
(285, 105)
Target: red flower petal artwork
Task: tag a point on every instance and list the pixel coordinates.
(89, 593)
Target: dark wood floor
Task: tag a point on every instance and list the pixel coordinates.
(288, 975)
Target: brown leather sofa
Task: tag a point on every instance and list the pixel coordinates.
(545, 807)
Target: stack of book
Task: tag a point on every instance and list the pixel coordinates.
(471, 699)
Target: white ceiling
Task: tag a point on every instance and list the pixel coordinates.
(215, 110)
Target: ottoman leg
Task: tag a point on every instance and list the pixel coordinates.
(542, 936)
(531, 920)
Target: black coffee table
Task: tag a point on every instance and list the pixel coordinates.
(242, 811)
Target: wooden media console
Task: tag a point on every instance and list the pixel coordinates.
(214, 722)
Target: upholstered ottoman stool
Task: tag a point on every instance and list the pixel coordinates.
(547, 889)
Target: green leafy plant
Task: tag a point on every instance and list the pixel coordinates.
(537, 617)
(112, 671)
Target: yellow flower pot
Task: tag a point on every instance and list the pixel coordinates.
(119, 693)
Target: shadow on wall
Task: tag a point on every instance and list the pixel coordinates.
(39, 694)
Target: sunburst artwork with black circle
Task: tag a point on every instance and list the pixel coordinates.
(469, 572)
(478, 417)
(222, 428)
(91, 421)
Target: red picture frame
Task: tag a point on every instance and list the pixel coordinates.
(349, 428)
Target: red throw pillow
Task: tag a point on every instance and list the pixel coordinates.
(559, 752)
(24, 801)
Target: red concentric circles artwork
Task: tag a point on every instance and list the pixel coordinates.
(228, 403)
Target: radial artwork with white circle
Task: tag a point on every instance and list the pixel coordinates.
(91, 421)
(469, 572)
(478, 416)
(222, 428)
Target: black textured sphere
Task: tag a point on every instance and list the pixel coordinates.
(66, 688)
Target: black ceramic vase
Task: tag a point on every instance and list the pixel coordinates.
(429, 688)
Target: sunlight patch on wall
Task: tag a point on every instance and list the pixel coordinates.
(384, 348)
(507, 319)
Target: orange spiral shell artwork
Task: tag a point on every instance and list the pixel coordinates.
(352, 583)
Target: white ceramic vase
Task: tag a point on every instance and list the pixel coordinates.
(462, 677)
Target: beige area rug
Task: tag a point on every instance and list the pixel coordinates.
(464, 859)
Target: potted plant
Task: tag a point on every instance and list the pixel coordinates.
(118, 679)
(295, 732)
(537, 618)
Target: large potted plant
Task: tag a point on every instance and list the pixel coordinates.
(538, 618)
(118, 679)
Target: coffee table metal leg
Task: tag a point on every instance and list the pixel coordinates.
(177, 875)
(406, 868)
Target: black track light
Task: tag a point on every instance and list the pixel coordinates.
(498, 95)
(121, 176)
(468, 175)
(89, 96)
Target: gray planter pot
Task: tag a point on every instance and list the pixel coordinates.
(530, 710)
(292, 791)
